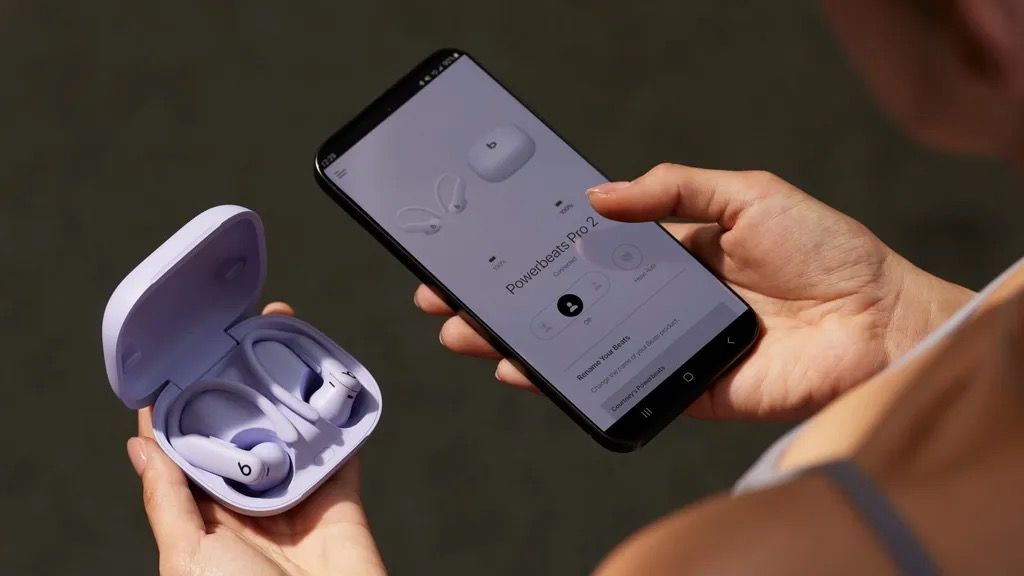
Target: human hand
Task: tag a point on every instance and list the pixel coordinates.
(836, 305)
(326, 534)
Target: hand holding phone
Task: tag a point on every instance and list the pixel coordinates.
(837, 305)
(487, 204)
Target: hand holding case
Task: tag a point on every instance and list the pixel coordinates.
(179, 317)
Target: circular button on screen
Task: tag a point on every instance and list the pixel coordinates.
(570, 305)
(627, 257)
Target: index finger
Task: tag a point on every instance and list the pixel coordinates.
(675, 190)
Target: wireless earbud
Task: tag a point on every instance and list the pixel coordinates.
(432, 224)
(458, 189)
(334, 399)
(427, 226)
(261, 467)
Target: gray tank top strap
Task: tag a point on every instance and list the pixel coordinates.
(874, 506)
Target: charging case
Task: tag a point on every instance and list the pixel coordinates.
(178, 318)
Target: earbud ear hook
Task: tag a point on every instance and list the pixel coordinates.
(263, 466)
(293, 402)
(429, 226)
(284, 429)
(334, 399)
(458, 201)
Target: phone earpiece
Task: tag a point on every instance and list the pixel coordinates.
(428, 226)
(458, 190)
(336, 396)
(261, 467)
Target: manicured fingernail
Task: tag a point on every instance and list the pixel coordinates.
(605, 190)
(137, 454)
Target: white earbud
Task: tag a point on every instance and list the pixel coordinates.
(458, 188)
(429, 225)
(335, 398)
(261, 467)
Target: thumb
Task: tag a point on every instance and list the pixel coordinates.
(173, 515)
(673, 190)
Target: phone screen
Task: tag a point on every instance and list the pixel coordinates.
(492, 203)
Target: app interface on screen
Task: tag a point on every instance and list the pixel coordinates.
(493, 203)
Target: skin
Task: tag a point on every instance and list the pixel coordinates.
(950, 72)
(942, 436)
(945, 449)
(326, 534)
(837, 305)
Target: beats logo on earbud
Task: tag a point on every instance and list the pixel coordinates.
(260, 467)
(447, 185)
(336, 395)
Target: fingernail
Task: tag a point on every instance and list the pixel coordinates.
(416, 298)
(605, 190)
(440, 337)
(497, 373)
(137, 454)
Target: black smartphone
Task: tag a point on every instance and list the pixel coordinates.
(617, 323)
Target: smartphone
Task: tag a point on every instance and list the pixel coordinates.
(616, 322)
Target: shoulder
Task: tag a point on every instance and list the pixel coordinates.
(801, 527)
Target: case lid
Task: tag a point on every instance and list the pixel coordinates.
(166, 321)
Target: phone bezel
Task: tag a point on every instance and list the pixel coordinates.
(641, 422)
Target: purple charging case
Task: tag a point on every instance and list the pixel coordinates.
(178, 317)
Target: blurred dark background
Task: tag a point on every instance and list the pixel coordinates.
(122, 121)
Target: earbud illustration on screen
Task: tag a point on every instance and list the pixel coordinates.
(336, 396)
(447, 185)
(429, 225)
(457, 187)
(261, 467)
(426, 227)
